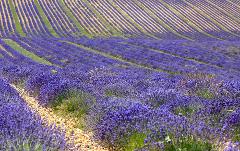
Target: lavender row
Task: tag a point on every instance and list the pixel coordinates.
(25, 130)
(58, 19)
(153, 59)
(31, 19)
(7, 24)
(64, 55)
(201, 51)
(56, 50)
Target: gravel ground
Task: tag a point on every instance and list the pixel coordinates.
(82, 140)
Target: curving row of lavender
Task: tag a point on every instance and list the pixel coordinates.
(166, 56)
(185, 19)
(21, 128)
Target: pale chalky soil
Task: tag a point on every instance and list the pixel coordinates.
(81, 139)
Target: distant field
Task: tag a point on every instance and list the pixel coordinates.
(161, 19)
(124, 75)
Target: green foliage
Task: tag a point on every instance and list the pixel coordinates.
(114, 93)
(54, 71)
(185, 111)
(26, 53)
(135, 141)
(132, 142)
(16, 19)
(1, 56)
(20, 83)
(74, 104)
(236, 136)
(205, 93)
(26, 145)
(187, 144)
(45, 19)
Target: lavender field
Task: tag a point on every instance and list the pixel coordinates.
(120, 75)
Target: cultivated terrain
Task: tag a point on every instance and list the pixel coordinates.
(146, 75)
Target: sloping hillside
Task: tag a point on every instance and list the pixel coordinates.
(124, 75)
(160, 19)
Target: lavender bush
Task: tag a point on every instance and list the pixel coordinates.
(24, 131)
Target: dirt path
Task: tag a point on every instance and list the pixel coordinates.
(81, 139)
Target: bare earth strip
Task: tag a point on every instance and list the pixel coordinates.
(81, 139)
